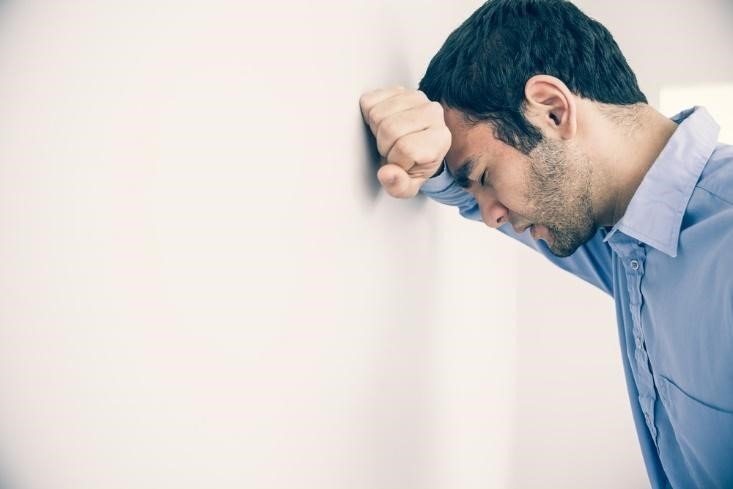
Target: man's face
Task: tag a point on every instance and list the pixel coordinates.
(549, 190)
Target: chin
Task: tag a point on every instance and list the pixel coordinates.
(568, 245)
(563, 252)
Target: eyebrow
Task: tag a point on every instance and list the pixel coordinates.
(462, 173)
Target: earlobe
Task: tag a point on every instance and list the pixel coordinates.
(551, 106)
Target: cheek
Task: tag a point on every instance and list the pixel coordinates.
(513, 192)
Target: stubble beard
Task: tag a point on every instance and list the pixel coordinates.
(560, 192)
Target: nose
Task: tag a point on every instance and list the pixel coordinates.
(493, 212)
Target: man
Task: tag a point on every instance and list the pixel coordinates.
(530, 120)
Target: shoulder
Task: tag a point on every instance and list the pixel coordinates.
(717, 177)
(710, 208)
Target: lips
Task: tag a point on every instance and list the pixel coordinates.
(520, 230)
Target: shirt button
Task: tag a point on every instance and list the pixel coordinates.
(634, 265)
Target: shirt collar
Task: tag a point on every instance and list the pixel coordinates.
(654, 214)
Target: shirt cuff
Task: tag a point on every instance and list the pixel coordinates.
(438, 183)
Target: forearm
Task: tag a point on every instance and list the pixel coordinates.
(442, 188)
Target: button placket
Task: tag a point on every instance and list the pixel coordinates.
(633, 257)
(633, 278)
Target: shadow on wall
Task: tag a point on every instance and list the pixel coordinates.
(371, 164)
(397, 70)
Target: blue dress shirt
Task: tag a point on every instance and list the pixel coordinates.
(668, 264)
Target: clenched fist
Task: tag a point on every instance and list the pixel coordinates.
(411, 136)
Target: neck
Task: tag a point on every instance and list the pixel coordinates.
(623, 148)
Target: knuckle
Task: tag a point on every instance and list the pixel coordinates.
(386, 129)
(436, 109)
(365, 101)
(374, 116)
(436, 155)
(447, 137)
(401, 148)
(419, 153)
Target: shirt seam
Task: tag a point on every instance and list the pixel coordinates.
(714, 194)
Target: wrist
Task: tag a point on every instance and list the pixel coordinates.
(439, 170)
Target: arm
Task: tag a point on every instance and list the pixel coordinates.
(413, 139)
(591, 262)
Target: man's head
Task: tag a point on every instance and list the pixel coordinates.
(513, 79)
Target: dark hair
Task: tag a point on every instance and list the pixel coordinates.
(483, 66)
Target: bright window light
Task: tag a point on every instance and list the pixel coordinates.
(716, 98)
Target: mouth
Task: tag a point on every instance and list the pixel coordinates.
(521, 229)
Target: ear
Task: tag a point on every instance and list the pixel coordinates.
(551, 106)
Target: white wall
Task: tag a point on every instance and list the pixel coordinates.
(202, 285)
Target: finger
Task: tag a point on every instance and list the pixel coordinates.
(394, 180)
(397, 182)
(373, 97)
(420, 153)
(396, 103)
(406, 122)
(425, 171)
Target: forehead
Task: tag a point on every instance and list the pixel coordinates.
(467, 140)
(476, 142)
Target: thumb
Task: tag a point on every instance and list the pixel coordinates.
(396, 181)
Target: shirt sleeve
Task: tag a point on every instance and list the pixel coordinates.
(591, 262)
